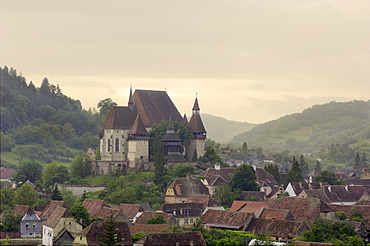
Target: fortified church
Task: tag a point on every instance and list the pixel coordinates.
(124, 139)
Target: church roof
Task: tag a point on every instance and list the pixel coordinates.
(138, 126)
(196, 124)
(120, 118)
(155, 106)
(184, 120)
(196, 105)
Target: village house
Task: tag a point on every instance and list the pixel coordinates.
(177, 238)
(93, 206)
(92, 233)
(277, 229)
(207, 202)
(226, 220)
(182, 188)
(145, 216)
(149, 228)
(117, 214)
(295, 188)
(130, 210)
(60, 226)
(184, 213)
(51, 207)
(31, 225)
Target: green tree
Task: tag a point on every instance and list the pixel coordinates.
(26, 195)
(160, 172)
(295, 173)
(211, 156)
(304, 166)
(126, 195)
(364, 160)
(317, 167)
(68, 197)
(110, 235)
(7, 142)
(30, 170)
(328, 176)
(182, 170)
(79, 211)
(225, 195)
(54, 173)
(244, 178)
(245, 147)
(274, 171)
(156, 220)
(11, 221)
(7, 197)
(55, 194)
(80, 166)
(105, 105)
(357, 161)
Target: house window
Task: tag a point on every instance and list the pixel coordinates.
(108, 145)
(27, 226)
(186, 221)
(191, 221)
(117, 145)
(34, 225)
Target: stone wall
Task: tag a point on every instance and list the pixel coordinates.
(78, 190)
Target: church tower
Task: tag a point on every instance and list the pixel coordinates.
(172, 144)
(196, 127)
(138, 144)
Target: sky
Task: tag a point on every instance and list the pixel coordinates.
(251, 61)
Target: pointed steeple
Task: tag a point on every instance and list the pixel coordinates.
(196, 109)
(184, 119)
(170, 127)
(130, 101)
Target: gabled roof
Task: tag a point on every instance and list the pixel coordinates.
(105, 212)
(57, 214)
(31, 216)
(301, 208)
(276, 214)
(206, 200)
(183, 210)
(225, 218)
(277, 228)
(119, 118)
(237, 205)
(149, 228)
(143, 218)
(177, 238)
(6, 173)
(21, 210)
(264, 176)
(187, 186)
(93, 206)
(315, 193)
(130, 210)
(51, 207)
(343, 193)
(32, 185)
(138, 127)
(155, 106)
(298, 187)
(212, 174)
(95, 230)
(196, 124)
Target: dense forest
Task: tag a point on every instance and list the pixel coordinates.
(44, 116)
(315, 129)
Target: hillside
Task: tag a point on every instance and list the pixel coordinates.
(314, 129)
(222, 130)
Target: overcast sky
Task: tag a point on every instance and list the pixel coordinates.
(251, 61)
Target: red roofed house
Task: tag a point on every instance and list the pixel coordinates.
(93, 206)
(218, 219)
(183, 188)
(177, 238)
(130, 210)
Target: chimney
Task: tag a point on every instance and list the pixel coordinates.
(329, 188)
(217, 166)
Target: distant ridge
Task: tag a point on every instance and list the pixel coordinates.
(222, 130)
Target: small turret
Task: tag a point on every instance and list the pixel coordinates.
(130, 101)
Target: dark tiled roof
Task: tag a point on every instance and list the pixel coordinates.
(93, 206)
(196, 124)
(6, 173)
(21, 210)
(276, 214)
(343, 193)
(264, 176)
(150, 228)
(212, 174)
(187, 186)
(224, 217)
(51, 207)
(185, 119)
(183, 210)
(316, 193)
(363, 182)
(130, 210)
(155, 106)
(301, 208)
(143, 218)
(178, 239)
(206, 200)
(277, 228)
(119, 118)
(259, 195)
(94, 231)
(58, 213)
(106, 212)
(175, 158)
(237, 205)
(298, 187)
(349, 209)
(138, 127)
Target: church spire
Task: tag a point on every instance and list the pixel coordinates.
(130, 101)
(196, 109)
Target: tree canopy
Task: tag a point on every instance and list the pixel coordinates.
(244, 179)
(328, 176)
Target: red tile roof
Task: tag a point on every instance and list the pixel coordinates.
(57, 214)
(51, 207)
(149, 228)
(276, 214)
(143, 218)
(178, 239)
(93, 206)
(226, 218)
(130, 210)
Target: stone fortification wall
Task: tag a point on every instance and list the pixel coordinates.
(78, 190)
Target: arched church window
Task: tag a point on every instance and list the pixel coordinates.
(108, 145)
(117, 145)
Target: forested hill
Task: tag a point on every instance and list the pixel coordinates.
(314, 129)
(44, 115)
